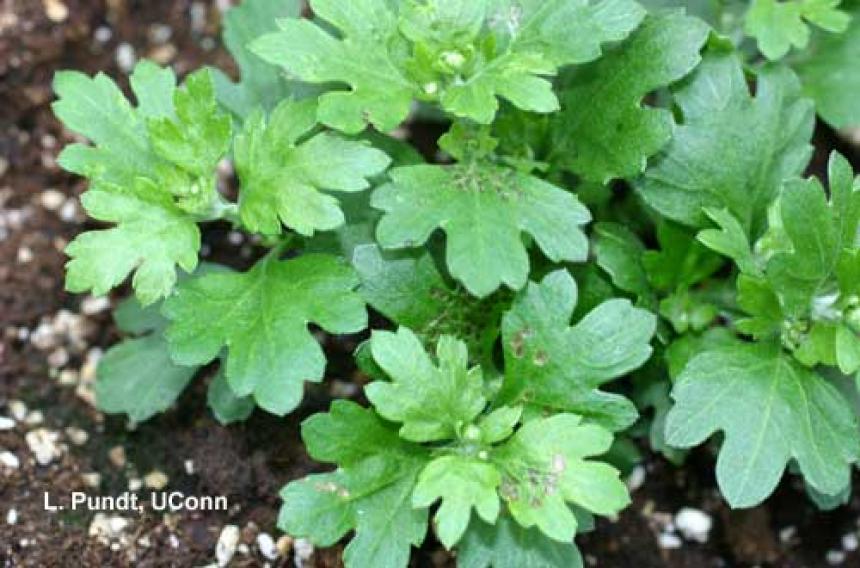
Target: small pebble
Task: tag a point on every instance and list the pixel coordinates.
(198, 17)
(35, 418)
(116, 455)
(25, 255)
(6, 423)
(303, 550)
(849, 542)
(12, 517)
(52, 199)
(160, 33)
(103, 34)
(267, 547)
(69, 211)
(9, 460)
(55, 10)
(156, 480)
(92, 480)
(92, 305)
(58, 358)
(77, 436)
(786, 535)
(43, 444)
(669, 541)
(189, 467)
(227, 543)
(18, 409)
(125, 57)
(835, 557)
(694, 524)
(107, 528)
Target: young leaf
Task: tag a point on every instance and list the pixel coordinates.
(831, 76)
(551, 364)
(681, 261)
(485, 50)
(262, 84)
(362, 58)
(369, 493)
(619, 252)
(777, 25)
(483, 209)
(149, 168)
(199, 135)
(432, 401)
(819, 233)
(730, 240)
(613, 136)
(261, 317)
(545, 469)
(771, 410)
(534, 39)
(732, 151)
(283, 175)
(136, 376)
(151, 238)
(462, 483)
(508, 545)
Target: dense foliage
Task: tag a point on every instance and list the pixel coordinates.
(614, 240)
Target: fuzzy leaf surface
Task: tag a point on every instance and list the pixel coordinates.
(771, 410)
(760, 142)
(551, 364)
(603, 129)
(483, 210)
(261, 317)
(286, 179)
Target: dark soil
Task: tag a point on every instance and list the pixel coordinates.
(248, 462)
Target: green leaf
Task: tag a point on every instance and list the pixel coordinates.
(545, 468)
(732, 151)
(370, 492)
(730, 240)
(681, 261)
(551, 364)
(262, 84)
(508, 545)
(618, 252)
(483, 210)
(433, 402)
(362, 58)
(284, 175)
(151, 238)
(407, 288)
(261, 317)
(831, 76)
(199, 135)
(463, 55)
(149, 167)
(226, 406)
(777, 26)
(533, 39)
(771, 410)
(614, 136)
(461, 483)
(136, 376)
(819, 233)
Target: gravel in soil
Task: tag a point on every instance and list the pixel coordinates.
(52, 439)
